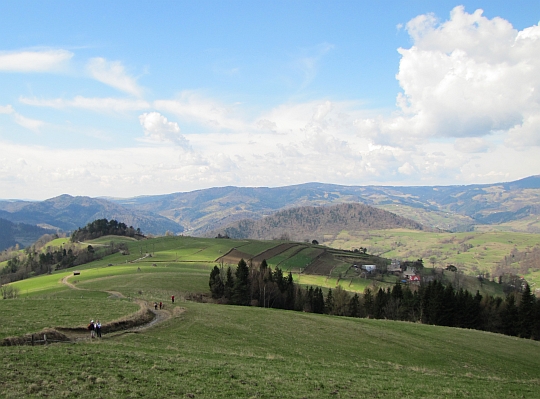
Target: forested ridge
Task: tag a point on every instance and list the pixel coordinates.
(103, 227)
(41, 258)
(19, 234)
(308, 222)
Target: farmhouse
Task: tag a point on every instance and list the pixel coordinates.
(369, 268)
(395, 266)
(410, 271)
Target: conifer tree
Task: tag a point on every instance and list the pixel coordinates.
(229, 284)
(354, 306)
(525, 313)
(216, 284)
(329, 302)
(241, 289)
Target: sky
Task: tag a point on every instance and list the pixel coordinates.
(123, 98)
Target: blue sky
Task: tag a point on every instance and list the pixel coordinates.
(138, 98)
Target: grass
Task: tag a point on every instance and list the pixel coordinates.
(218, 351)
(214, 351)
(473, 252)
(61, 309)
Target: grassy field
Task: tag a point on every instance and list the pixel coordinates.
(213, 351)
(472, 252)
(218, 351)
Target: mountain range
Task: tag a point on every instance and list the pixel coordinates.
(511, 205)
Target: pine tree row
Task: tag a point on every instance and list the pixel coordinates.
(432, 303)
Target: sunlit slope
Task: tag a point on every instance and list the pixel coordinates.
(472, 252)
(217, 351)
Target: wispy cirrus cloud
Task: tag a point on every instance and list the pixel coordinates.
(28, 123)
(34, 61)
(98, 104)
(309, 61)
(113, 73)
(191, 106)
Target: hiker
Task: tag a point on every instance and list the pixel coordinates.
(172, 297)
(92, 329)
(98, 328)
(155, 305)
(161, 305)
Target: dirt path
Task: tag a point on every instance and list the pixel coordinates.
(66, 282)
(146, 317)
(159, 315)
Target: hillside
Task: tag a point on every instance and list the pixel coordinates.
(21, 234)
(511, 206)
(196, 349)
(68, 213)
(314, 223)
(454, 208)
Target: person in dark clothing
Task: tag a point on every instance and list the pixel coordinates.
(98, 328)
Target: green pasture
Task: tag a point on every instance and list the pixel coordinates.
(218, 351)
(256, 247)
(472, 252)
(357, 285)
(41, 285)
(301, 260)
(149, 282)
(67, 308)
(106, 240)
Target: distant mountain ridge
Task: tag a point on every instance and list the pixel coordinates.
(454, 208)
(308, 223)
(12, 234)
(513, 205)
(68, 213)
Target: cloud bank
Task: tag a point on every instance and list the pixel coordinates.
(468, 111)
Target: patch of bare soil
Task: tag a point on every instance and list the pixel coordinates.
(233, 257)
(322, 265)
(66, 282)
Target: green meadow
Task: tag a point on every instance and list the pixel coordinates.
(472, 252)
(205, 350)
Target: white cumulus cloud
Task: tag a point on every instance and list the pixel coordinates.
(158, 129)
(466, 77)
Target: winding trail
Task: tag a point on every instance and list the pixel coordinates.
(159, 316)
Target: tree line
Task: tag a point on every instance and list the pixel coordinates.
(518, 314)
(103, 227)
(32, 262)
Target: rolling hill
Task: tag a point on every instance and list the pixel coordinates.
(196, 349)
(68, 213)
(510, 206)
(308, 223)
(12, 234)
(453, 208)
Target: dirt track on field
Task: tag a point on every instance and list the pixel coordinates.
(146, 317)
